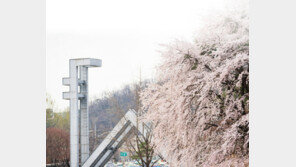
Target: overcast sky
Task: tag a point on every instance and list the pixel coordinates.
(125, 34)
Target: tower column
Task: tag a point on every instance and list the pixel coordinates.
(74, 124)
(84, 115)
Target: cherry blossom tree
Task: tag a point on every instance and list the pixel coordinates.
(199, 104)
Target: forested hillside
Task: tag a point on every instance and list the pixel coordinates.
(106, 111)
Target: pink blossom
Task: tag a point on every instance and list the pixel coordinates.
(199, 105)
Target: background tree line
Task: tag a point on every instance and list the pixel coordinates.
(105, 112)
(57, 135)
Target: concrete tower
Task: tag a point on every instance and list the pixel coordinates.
(78, 96)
